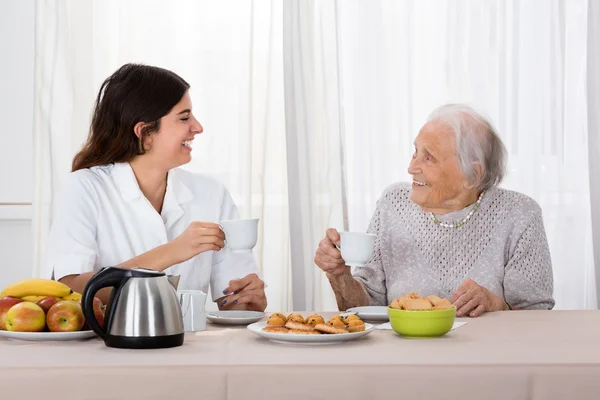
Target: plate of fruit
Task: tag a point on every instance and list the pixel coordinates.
(43, 309)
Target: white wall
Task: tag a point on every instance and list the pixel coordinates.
(17, 24)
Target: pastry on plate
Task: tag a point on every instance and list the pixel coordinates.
(275, 329)
(298, 326)
(336, 323)
(330, 329)
(351, 317)
(356, 325)
(296, 318)
(304, 332)
(276, 319)
(314, 319)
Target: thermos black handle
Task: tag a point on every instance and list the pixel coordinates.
(106, 277)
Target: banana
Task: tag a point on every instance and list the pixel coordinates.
(73, 296)
(32, 298)
(36, 287)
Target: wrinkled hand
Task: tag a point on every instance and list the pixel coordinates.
(473, 300)
(328, 257)
(197, 238)
(248, 291)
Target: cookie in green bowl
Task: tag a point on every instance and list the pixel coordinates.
(422, 323)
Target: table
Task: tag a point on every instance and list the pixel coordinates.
(505, 355)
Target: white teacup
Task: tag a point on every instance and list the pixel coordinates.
(193, 309)
(356, 248)
(240, 234)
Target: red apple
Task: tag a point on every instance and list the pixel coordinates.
(5, 304)
(65, 316)
(98, 312)
(47, 302)
(25, 317)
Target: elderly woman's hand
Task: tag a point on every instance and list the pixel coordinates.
(328, 257)
(246, 293)
(473, 300)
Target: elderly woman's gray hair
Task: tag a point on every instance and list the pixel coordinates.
(477, 142)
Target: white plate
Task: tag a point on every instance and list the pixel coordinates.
(234, 317)
(371, 313)
(48, 336)
(293, 338)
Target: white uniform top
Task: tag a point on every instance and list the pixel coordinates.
(103, 219)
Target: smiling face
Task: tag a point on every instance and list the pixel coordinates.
(439, 185)
(171, 146)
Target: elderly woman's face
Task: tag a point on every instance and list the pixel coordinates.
(438, 182)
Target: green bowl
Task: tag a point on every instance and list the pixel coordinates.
(422, 323)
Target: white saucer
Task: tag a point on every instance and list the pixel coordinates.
(234, 317)
(371, 313)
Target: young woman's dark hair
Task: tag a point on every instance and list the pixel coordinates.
(134, 93)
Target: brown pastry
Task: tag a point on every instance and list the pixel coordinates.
(303, 332)
(443, 304)
(275, 329)
(276, 320)
(356, 325)
(330, 329)
(397, 305)
(351, 317)
(314, 319)
(418, 304)
(433, 299)
(336, 323)
(298, 326)
(296, 318)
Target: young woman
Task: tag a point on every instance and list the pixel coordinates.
(127, 204)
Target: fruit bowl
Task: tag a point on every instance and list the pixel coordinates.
(428, 323)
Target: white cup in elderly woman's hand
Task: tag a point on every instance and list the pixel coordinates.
(240, 234)
(356, 248)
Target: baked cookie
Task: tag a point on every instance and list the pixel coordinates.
(351, 317)
(298, 326)
(418, 304)
(275, 329)
(397, 304)
(314, 319)
(356, 325)
(296, 318)
(276, 319)
(443, 304)
(330, 329)
(434, 300)
(336, 323)
(303, 332)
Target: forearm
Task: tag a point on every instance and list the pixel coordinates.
(348, 291)
(159, 259)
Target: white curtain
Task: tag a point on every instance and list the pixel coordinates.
(319, 101)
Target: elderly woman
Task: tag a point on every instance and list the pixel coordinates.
(452, 233)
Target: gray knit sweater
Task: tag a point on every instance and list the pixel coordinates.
(502, 247)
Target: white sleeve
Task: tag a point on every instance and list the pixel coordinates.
(72, 247)
(228, 265)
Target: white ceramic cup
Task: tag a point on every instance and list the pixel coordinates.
(240, 234)
(193, 309)
(356, 248)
